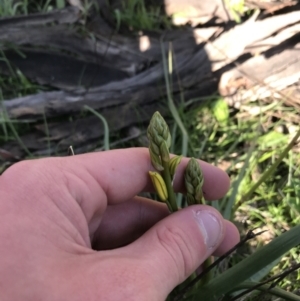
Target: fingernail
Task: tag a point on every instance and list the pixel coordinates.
(210, 227)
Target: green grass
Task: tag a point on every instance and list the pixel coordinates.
(136, 15)
(244, 142)
(246, 146)
(9, 8)
(237, 8)
(256, 146)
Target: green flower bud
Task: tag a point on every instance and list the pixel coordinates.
(199, 194)
(190, 200)
(159, 141)
(159, 185)
(164, 152)
(193, 178)
(155, 160)
(158, 130)
(154, 148)
(173, 164)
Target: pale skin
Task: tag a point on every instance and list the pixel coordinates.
(73, 229)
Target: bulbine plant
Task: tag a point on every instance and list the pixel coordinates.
(159, 144)
(242, 278)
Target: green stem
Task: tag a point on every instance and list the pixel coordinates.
(171, 104)
(167, 178)
(106, 128)
(208, 276)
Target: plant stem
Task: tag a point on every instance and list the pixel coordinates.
(207, 276)
(106, 128)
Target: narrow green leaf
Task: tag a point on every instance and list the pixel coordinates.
(106, 128)
(265, 271)
(261, 274)
(172, 107)
(266, 156)
(229, 205)
(284, 295)
(248, 267)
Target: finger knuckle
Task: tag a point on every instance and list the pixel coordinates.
(175, 242)
(29, 173)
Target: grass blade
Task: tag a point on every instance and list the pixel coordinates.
(172, 107)
(287, 296)
(249, 266)
(106, 128)
(229, 205)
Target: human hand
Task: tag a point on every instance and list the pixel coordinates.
(54, 210)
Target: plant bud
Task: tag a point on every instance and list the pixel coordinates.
(193, 178)
(159, 185)
(155, 160)
(173, 164)
(164, 152)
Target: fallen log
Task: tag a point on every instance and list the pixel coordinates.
(257, 58)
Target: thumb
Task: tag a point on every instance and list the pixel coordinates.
(176, 246)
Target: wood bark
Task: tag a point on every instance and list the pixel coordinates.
(123, 75)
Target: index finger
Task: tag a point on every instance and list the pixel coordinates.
(123, 173)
